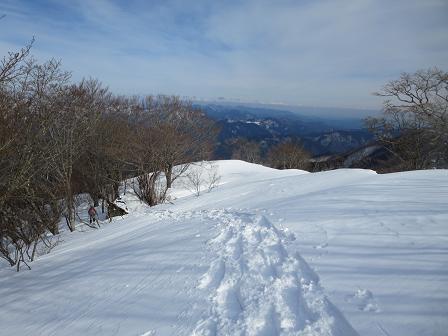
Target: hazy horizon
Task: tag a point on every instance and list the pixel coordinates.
(307, 53)
(326, 112)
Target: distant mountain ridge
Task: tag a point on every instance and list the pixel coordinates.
(270, 126)
(323, 112)
(246, 112)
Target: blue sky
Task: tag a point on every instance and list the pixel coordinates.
(309, 52)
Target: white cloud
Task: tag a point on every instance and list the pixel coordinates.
(308, 52)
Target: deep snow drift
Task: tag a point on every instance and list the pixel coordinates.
(268, 252)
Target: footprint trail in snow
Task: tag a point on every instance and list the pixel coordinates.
(256, 287)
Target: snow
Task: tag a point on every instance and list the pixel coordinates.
(267, 252)
(257, 288)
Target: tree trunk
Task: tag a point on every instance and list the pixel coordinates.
(169, 175)
(33, 254)
(70, 216)
(115, 187)
(96, 199)
(54, 229)
(153, 198)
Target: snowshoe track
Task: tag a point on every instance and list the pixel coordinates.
(257, 288)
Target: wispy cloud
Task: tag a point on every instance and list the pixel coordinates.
(299, 52)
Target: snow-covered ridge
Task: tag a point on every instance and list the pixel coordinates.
(267, 252)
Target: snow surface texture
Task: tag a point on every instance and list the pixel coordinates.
(244, 258)
(256, 288)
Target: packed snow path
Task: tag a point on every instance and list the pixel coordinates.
(257, 288)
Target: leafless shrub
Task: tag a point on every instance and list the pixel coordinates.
(151, 188)
(24, 224)
(212, 177)
(195, 178)
(202, 176)
(289, 155)
(245, 150)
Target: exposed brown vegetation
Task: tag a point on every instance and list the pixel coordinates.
(59, 138)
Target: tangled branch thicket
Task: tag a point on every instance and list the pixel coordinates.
(414, 126)
(59, 138)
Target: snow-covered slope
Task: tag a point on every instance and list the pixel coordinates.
(268, 252)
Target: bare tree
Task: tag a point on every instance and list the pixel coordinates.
(245, 150)
(16, 154)
(202, 176)
(73, 122)
(167, 134)
(414, 126)
(58, 139)
(212, 177)
(100, 168)
(187, 134)
(21, 231)
(28, 206)
(289, 155)
(12, 65)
